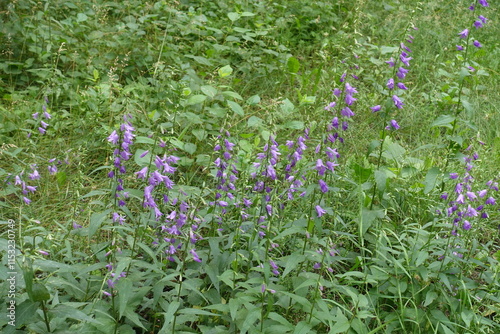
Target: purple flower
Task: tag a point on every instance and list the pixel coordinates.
(477, 44)
(464, 33)
(402, 86)
(35, 115)
(397, 102)
(453, 176)
(330, 106)
(349, 89)
(337, 92)
(466, 226)
(142, 173)
(52, 169)
(113, 137)
(47, 115)
(41, 130)
(323, 186)
(482, 18)
(460, 48)
(401, 72)
(390, 83)
(320, 211)
(405, 60)
(490, 201)
(195, 255)
(26, 200)
(484, 3)
(349, 99)
(394, 124)
(478, 24)
(43, 252)
(347, 112)
(76, 225)
(376, 108)
(391, 62)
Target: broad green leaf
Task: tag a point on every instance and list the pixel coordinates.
(430, 296)
(443, 121)
(80, 17)
(388, 49)
(233, 95)
(200, 134)
(144, 161)
(247, 14)
(368, 217)
(308, 99)
(40, 293)
(302, 328)
(287, 106)
(251, 316)
(293, 65)
(133, 317)
(430, 179)
(225, 71)
(254, 121)
(234, 305)
(209, 91)
(124, 288)
(253, 100)
(26, 313)
(233, 16)
(380, 180)
(295, 125)
(96, 220)
(65, 311)
(342, 324)
(236, 108)
(195, 99)
(189, 148)
(61, 178)
(144, 140)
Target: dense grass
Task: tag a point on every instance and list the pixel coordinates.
(217, 96)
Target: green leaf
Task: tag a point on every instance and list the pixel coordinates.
(96, 220)
(189, 148)
(302, 328)
(295, 125)
(144, 161)
(236, 108)
(233, 95)
(124, 288)
(368, 217)
(200, 134)
(380, 180)
(287, 106)
(388, 49)
(293, 65)
(61, 178)
(430, 296)
(233, 16)
(209, 91)
(443, 121)
(65, 311)
(26, 313)
(225, 71)
(195, 99)
(253, 100)
(430, 179)
(40, 293)
(254, 121)
(342, 324)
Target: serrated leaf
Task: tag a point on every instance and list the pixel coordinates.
(388, 49)
(342, 324)
(380, 180)
(26, 312)
(225, 71)
(195, 99)
(236, 108)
